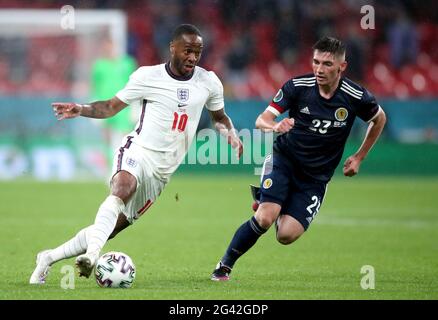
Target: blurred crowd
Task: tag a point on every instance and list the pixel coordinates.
(254, 45)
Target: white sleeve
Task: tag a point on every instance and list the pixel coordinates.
(134, 89)
(216, 100)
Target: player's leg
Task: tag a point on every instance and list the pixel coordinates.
(110, 215)
(273, 192)
(299, 209)
(245, 237)
(122, 223)
(109, 221)
(289, 229)
(135, 185)
(123, 186)
(72, 248)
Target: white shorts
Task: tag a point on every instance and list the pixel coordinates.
(135, 160)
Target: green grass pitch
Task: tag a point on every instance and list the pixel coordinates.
(390, 224)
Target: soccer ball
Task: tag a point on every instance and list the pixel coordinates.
(114, 270)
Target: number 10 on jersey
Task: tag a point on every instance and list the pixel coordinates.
(179, 121)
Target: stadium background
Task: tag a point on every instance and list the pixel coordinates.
(254, 46)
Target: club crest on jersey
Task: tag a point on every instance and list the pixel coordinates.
(267, 183)
(183, 94)
(341, 114)
(278, 96)
(131, 162)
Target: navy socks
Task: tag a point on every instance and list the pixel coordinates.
(244, 238)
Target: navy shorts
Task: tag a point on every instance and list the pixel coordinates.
(298, 195)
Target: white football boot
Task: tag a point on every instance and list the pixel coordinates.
(42, 268)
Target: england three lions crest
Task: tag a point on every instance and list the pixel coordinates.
(183, 94)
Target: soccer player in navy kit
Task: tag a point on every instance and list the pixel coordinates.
(322, 108)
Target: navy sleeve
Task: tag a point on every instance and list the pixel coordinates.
(368, 107)
(283, 100)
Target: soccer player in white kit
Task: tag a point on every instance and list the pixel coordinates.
(171, 97)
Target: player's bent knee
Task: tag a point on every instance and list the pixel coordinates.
(264, 221)
(123, 185)
(266, 214)
(287, 239)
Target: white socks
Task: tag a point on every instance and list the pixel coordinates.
(92, 238)
(72, 248)
(104, 224)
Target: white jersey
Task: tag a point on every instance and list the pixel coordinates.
(170, 111)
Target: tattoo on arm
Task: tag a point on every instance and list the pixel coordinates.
(98, 110)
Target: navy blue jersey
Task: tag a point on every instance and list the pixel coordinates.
(316, 142)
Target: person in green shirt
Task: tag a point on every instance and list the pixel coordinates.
(111, 72)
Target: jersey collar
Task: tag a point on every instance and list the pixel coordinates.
(179, 78)
(334, 93)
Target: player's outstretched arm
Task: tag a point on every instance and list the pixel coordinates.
(97, 110)
(375, 128)
(266, 122)
(224, 125)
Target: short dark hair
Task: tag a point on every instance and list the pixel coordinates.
(330, 44)
(185, 29)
